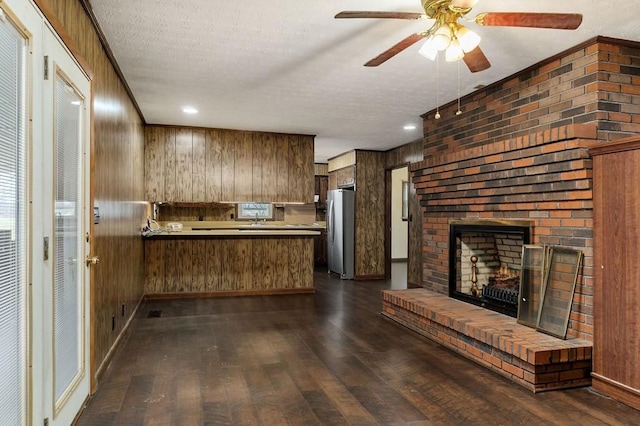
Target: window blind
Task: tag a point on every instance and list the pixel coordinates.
(13, 224)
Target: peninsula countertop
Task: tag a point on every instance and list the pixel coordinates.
(230, 229)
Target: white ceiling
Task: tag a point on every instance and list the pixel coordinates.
(289, 66)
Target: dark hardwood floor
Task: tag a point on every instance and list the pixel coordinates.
(325, 358)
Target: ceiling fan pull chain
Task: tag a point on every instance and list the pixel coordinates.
(458, 112)
(437, 116)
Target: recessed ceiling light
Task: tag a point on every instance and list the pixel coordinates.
(189, 110)
(410, 127)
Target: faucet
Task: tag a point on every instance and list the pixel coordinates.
(255, 222)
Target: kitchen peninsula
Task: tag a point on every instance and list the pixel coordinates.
(230, 259)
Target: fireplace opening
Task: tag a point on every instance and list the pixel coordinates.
(484, 262)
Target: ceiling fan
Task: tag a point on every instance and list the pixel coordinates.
(458, 42)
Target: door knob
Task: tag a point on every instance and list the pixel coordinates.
(92, 260)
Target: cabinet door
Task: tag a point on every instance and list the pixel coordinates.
(346, 177)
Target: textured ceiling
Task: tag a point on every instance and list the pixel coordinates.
(289, 66)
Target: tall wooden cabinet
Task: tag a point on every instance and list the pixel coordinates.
(616, 203)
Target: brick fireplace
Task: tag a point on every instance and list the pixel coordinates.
(518, 152)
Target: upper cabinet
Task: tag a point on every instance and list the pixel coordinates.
(195, 165)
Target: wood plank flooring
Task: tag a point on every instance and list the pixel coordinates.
(327, 358)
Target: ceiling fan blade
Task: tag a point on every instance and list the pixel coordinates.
(393, 51)
(476, 60)
(381, 15)
(560, 21)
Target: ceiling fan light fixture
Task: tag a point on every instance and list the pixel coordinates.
(429, 49)
(441, 38)
(467, 38)
(454, 51)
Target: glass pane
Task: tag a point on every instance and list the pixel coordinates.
(255, 211)
(557, 295)
(68, 247)
(532, 274)
(13, 225)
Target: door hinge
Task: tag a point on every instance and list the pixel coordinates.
(45, 248)
(46, 421)
(46, 67)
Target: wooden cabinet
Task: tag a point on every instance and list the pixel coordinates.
(322, 186)
(346, 177)
(616, 300)
(194, 165)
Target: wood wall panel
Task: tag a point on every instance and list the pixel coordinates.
(229, 265)
(228, 167)
(170, 169)
(307, 183)
(243, 173)
(184, 266)
(184, 165)
(118, 186)
(213, 173)
(370, 208)
(199, 165)
(296, 172)
(269, 167)
(154, 266)
(198, 265)
(215, 165)
(170, 267)
(282, 178)
(258, 159)
(154, 160)
(214, 257)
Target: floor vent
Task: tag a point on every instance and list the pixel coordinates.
(154, 314)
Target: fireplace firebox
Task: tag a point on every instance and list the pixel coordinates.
(484, 262)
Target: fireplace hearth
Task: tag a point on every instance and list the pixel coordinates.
(484, 262)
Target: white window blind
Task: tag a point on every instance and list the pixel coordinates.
(68, 250)
(13, 224)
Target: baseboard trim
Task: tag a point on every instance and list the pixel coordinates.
(107, 359)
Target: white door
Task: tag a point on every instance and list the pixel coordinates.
(66, 117)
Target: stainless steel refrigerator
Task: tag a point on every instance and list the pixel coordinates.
(341, 233)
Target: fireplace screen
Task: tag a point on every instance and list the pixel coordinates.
(533, 272)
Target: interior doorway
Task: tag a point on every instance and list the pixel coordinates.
(399, 214)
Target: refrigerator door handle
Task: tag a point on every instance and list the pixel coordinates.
(330, 229)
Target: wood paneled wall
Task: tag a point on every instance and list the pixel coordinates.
(370, 209)
(232, 265)
(118, 163)
(190, 165)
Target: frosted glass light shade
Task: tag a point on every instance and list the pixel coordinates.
(468, 39)
(429, 49)
(454, 52)
(442, 37)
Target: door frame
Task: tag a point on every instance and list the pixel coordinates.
(73, 49)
